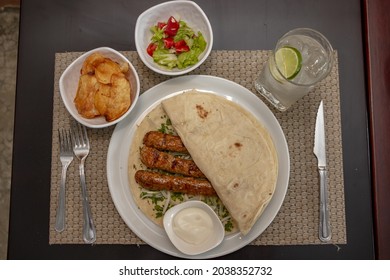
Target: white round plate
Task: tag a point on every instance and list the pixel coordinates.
(118, 152)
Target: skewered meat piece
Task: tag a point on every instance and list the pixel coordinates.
(154, 158)
(163, 141)
(156, 181)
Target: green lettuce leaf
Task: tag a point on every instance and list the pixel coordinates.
(165, 58)
(199, 43)
(191, 57)
(187, 59)
(158, 34)
(184, 33)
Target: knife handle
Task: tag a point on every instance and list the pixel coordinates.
(324, 232)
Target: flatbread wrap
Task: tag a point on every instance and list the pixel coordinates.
(231, 147)
(154, 203)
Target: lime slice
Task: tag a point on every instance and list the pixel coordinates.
(289, 61)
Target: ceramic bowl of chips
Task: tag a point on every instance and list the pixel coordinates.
(100, 88)
(174, 37)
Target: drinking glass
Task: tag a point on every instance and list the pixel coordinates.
(314, 59)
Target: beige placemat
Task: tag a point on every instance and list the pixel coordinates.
(298, 219)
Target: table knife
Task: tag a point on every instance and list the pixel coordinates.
(320, 152)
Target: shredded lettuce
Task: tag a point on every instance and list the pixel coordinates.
(184, 33)
(186, 59)
(199, 43)
(158, 34)
(165, 58)
(191, 57)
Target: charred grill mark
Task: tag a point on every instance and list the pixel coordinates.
(154, 158)
(174, 164)
(189, 185)
(238, 145)
(202, 112)
(163, 141)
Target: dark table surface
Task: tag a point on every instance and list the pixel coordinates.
(47, 27)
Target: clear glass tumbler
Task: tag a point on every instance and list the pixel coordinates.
(302, 58)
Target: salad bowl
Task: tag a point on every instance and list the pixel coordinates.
(186, 11)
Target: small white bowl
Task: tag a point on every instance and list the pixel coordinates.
(212, 241)
(69, 82)
(188, 11)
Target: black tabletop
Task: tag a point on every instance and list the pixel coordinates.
(47, 27)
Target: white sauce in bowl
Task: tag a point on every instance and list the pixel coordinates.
(193, 225)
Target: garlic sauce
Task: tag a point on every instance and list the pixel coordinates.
(193, 225)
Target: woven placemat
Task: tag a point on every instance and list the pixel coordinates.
(298, 219)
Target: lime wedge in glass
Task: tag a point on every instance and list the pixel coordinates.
(289, 61)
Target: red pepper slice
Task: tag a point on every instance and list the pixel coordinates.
(172, 27)
(151, 48)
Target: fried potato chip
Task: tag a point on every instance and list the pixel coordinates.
(102, 97)
(124, 66)
(105, 70)
(113, 101)
(103, 88)
(91, 62)
(85, 96)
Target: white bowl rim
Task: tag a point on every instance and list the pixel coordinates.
(188, 69)
(78, 117)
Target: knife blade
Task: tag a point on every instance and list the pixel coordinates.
(320, 152)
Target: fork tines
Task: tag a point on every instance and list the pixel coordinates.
(65, 140)
(80, 136)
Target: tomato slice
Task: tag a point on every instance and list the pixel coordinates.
(172, 27)
(182, 49)
(168, 42)
(160, 25)
(181, 46)
(180, 43)
(151, 48)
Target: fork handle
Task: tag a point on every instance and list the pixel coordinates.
(89, 232)
(60, 217)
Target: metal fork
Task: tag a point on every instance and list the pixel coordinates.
(66, 157)
(81, 150)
